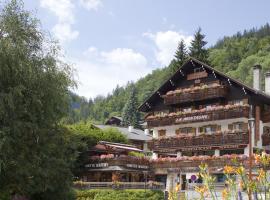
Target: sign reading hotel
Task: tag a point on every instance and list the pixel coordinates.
(192, 118)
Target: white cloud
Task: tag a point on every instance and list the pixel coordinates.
(166, 44)
(64, 32)
(91, 4)
(100, 71)
(63, 10)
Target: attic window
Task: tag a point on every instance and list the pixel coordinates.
(198, 70)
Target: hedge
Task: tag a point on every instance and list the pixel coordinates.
(107, 194)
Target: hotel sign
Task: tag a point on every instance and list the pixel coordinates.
(137, 166)
(192, 118)
(97, 165)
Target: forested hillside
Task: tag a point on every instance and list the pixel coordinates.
(234, 55)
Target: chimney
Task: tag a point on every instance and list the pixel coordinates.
(267, 82)
(130, 128)
(257, 77)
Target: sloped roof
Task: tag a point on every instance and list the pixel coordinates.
(192, 62)
(119, 146)
(135, 134)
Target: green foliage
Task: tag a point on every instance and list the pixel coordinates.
(181, 55)
(233, 55)
(88, 135)
(197, 47)
(136, 154)
(120, 194)
(131, 116)
(35, 158)
(237, 55)
(85, 136)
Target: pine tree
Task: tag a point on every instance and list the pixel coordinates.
(180, 57)
(130, 113)
(181, 53)
(197, 48)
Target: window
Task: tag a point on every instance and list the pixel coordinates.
(187, 109)
(185, 131)
(161, 133)
(161, 113)
(238, 126)
(198, 70)
(221, 178)
(209, 128)
(266, 129)
(229, 152)
(238, 102)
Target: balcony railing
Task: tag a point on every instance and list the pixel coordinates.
(192, 163)
(119, 185)
(196, 95)
(225, 141)
(216, 113)
(128, 162)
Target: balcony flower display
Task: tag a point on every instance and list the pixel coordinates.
(199, 158)
(192, 89)
(203, 110)
(187, 136)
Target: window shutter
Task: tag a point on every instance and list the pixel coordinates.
(218, 127)
(245, 101)
(245, 126)
(194, 130)
(201, 129)
(230, 127)
(177, 132)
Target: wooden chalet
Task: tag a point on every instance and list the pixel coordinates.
(199, 114)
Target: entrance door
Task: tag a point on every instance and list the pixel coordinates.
(184, 182)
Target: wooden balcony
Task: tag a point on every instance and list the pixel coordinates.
(202, 142)
(127, 162)
(196, 95)
(199, 116)
(193, 163)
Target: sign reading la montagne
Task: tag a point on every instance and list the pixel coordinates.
(192, 118)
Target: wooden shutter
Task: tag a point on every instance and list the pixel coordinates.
(245, 126)
(202, 129)
(161, 133)
(245, 101)
(218, 127)
(230, 126)
(177, 132)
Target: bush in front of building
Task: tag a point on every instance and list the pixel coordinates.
(108, 194)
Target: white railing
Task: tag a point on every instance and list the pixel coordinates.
(120, 185)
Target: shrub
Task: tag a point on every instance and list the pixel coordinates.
(107, 194)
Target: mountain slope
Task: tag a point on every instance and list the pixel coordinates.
(234, 55)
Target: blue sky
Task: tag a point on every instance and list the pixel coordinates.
(110, 42)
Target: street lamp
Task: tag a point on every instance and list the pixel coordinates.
(250, 127)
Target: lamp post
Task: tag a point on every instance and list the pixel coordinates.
(251, 124)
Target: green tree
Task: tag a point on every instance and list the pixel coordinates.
(85, 136)
(131, 116)
(181, 53)
(35, 157)
(197, 48)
